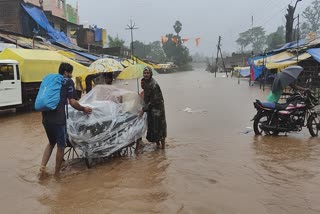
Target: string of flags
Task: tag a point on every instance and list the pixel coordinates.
(164, 39)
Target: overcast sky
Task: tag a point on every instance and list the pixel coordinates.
(206, 19)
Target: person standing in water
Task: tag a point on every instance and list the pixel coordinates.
(154, 107)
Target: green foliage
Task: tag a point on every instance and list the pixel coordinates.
(156, 52)
(177, 27)
(115, 42)
(176, 52)
(152, 51)
(258, 39)
(312, 15)
(140, 49)
(275, 39)
(244, 39)
(255, 36)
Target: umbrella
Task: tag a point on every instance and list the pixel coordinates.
(133, 72)
(127, 62)
(286, 77)
(105, 65)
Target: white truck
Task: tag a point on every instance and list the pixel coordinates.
(10, 86)
(21, 73)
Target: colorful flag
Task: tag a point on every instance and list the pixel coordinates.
(197, 41)
(184, 40)
(175, 40)
(164, 39)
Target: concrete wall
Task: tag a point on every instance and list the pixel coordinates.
(58, 8)
(10, 11)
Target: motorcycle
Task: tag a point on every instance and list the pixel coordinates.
(292, 116)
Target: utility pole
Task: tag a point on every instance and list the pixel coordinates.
(218, 47)
(251, 60)
(219, 51)
(132, 27)
(298, 35)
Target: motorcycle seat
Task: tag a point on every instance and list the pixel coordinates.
(281, 106)
(270, 105)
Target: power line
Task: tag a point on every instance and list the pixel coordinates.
(231, 32)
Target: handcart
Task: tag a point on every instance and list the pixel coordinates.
(113, 129)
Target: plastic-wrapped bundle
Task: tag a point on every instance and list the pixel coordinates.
(113, 124)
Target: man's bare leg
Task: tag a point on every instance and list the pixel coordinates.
(163, 143)
(59, 160)
(45, 158)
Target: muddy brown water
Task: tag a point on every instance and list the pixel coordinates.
(213, 162)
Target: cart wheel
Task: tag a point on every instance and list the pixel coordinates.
(87, 160)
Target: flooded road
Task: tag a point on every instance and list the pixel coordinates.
(213, 162)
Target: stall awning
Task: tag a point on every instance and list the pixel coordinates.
(86, 55)
(315, 53)
(280, 64)
(281, 60)
(243, 71)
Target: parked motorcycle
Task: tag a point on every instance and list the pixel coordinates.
(292, 116)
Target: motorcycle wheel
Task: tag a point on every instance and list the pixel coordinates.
(313, 125)
(262, 118)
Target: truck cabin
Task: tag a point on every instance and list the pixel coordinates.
(10, 83)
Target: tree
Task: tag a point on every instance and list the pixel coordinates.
(176, 52)
(140, 49)
(275, 39)
(244, 39)
(312, 14)
(115, 42)
(152, 51)
(156, 52)
(177, 27)
(255, 36)
(304, 29)
(174, 49)
(258, 39)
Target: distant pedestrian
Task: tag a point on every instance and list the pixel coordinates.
(154, 107)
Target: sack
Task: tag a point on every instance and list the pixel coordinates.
(49, 96)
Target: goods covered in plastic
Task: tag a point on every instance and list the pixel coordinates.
(113, 124)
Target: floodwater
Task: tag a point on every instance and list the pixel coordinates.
(213, 163)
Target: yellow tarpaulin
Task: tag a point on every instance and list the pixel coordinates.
(67, 54)
(35, 64)
(139, 61)
(281, 60)
(286, 63)
(274, 58)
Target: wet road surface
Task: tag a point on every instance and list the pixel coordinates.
(213, 163)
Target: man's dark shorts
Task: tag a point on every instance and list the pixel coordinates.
(57, 134)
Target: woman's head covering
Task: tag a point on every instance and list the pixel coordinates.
(148, 69)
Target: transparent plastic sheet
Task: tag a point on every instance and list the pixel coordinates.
(113, 124)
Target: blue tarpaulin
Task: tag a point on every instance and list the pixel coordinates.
(289, 45)
(257, 71)
(315, 53)
(245, 72)
(40, 18)
(86, 55)
(98, 34)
